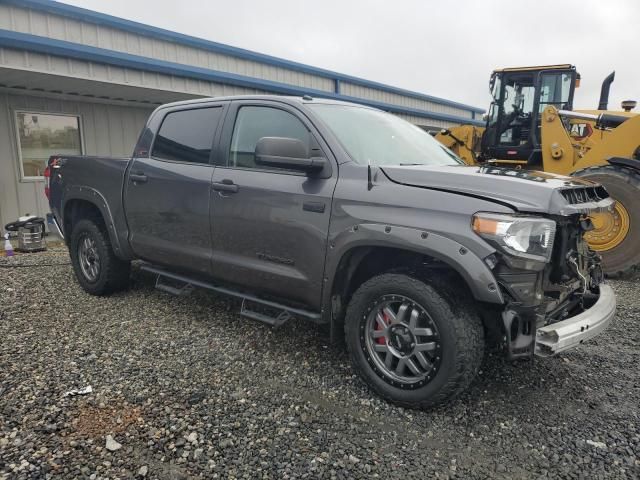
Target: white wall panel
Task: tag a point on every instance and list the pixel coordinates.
(71, 30)
(426, 122)
(48, 64)
(106, 130)
(83, 32)
(404, 101)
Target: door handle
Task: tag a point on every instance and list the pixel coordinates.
(138, 177)
(225, 185)
(316, 207)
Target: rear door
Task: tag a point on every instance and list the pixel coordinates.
(270, 227)
(167, 192)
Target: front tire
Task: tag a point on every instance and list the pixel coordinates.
(413, 344)
(96, 266)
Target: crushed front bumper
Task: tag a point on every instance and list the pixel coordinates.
(569, 333)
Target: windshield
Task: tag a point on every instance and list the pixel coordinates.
(378, 138)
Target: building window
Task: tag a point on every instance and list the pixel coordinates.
(41, 135)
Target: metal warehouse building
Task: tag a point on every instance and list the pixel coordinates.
(76, 81)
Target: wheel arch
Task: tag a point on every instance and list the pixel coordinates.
(87, 202)
(378, 250)
(631, 163)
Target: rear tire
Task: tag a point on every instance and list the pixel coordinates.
(417, 319)
(623, 184)
(96, 266)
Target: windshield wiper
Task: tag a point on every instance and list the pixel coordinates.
(409, 164)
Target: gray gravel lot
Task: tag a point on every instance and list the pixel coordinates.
(187, 388)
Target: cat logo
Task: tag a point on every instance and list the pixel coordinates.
(580, 130)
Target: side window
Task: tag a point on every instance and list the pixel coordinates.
(253, 123)
(187, 135)
(555, 89)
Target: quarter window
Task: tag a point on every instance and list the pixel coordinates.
(253, 123)
(42, 135)
(187, 135)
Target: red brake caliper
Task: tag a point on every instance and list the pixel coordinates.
(382, 340)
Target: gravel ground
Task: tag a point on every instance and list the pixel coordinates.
(184, 387)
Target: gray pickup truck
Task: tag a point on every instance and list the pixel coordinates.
(346, 216)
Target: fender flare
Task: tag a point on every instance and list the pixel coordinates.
(632, 163)
(94, 197)
(471, 267)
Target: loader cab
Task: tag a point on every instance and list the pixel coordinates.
(519, 97)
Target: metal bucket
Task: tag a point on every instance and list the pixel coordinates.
(30, 233)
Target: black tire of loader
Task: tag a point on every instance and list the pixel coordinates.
(623, 184)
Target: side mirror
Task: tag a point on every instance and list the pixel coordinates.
(288, 153)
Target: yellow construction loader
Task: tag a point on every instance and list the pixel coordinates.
(531, 125)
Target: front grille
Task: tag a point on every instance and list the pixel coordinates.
(579, 195)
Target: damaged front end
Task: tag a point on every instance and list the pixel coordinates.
(556, 304)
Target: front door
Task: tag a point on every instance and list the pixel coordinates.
(167, 193)
(269, 227)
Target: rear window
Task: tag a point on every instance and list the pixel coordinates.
(187, 135)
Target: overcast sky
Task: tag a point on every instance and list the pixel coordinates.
(426, 46)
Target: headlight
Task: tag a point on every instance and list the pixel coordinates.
(526, 237)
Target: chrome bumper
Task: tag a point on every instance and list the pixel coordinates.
(569, 333)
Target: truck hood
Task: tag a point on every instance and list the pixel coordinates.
(523, 190)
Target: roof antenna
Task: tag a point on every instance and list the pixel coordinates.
(369, 179)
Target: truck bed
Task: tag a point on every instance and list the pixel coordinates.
(96, 179)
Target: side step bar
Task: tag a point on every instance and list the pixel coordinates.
(270, 316)
(265, 307)
(179, 290)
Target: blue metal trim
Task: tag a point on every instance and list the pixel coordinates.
(336, 88)
(25, 41)
(160, 33)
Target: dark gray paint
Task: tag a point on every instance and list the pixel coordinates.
(168, 215)
(445, 217)
(97, 180)
(262, 236)
(528, 191)
(263, 239)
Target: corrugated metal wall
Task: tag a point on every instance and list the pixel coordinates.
(360, 91)
(421, 121)
(50, 25)
(71, 30)
(54, 65)
(106, 130)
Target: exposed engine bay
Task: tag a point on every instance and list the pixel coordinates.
(566, 286)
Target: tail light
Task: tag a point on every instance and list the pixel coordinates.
(53, 161)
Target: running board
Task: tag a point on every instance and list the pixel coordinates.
(273, 313)
(271, 316)
(179, 290)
